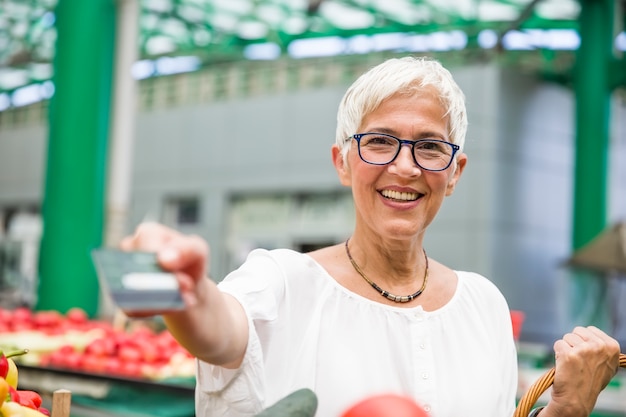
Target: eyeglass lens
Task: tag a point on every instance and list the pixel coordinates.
(430, 154)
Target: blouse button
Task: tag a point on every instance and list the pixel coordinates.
(424, 375)
(427, 408)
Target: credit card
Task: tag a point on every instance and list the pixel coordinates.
(135, 281)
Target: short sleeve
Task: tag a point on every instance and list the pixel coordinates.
(232, 392)
(258, 285)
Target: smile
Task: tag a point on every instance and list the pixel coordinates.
(399, 196)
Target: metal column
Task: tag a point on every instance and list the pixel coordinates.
(593, 93)
(73, 203)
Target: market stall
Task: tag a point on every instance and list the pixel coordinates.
(96, 395)
(137, 369)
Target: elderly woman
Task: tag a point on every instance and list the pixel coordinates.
(374, 314)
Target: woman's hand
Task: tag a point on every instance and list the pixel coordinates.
(185, 256)
(586, 360)
(213, 326)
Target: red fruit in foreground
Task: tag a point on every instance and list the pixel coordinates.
(386, 405)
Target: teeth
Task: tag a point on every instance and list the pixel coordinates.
(396, 195)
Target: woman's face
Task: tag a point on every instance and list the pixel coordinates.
(400, 200)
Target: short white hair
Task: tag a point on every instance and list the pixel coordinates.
(405, 75)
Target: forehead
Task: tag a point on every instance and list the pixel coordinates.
(409, 114)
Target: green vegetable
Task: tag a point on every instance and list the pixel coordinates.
(300, 403)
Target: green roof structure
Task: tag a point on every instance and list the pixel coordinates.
(201, 32)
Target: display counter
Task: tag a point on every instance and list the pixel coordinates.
(96, 395)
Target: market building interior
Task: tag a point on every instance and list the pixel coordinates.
(218, 120)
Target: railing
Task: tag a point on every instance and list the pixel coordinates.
(241, 79)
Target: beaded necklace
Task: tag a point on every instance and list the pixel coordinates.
(384, 293)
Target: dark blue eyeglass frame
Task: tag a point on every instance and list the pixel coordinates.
(412, 143)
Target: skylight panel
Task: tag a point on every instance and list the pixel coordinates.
(345, 17)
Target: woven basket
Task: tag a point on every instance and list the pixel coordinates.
(531, 396)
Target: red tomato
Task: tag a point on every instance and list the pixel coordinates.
(101, 347)
(22, 314)
(386, 405)
(92, 363)
(129, 354)
(5, 315)
(73, 360)
(131, 369)
(113, 365)
(45, 320)
(77, 315)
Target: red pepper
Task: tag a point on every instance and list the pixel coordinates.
(14, 395)
(4, 365)
(4, 361)
(30, 399)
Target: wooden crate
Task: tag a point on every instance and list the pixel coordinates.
(61, 403)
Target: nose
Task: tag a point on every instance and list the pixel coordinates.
(404, 162)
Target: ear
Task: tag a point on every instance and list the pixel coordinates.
(342, 167)
(460, 163)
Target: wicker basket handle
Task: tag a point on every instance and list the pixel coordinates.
(531, 396)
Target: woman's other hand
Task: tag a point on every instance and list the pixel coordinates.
(586, 360)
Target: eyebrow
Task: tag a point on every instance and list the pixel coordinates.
(392, 132)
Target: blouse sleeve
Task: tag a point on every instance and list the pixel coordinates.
(257, 285)
(232, 392)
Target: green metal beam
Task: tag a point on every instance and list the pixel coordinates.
(593, 92)
(592, 89)
(75, 175)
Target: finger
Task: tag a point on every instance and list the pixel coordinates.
(561, 346)
(601, 335)
(187, 287)
(565, 350)
(183, 252)
(126, 243)
(596, 340)
(573, 339)
(148, 237)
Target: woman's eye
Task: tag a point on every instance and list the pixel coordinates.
(430, 146)
(379, 141)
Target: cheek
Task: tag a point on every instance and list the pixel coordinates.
(365, 175)
(440, 184)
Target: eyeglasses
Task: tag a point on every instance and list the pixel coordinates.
(383, 149)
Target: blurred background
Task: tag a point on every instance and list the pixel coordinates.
(217, 118)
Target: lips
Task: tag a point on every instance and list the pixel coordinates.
(399, 195)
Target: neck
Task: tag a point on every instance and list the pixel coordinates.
(394, 263)
(384, 292)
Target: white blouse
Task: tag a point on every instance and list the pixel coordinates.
(307, 331)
